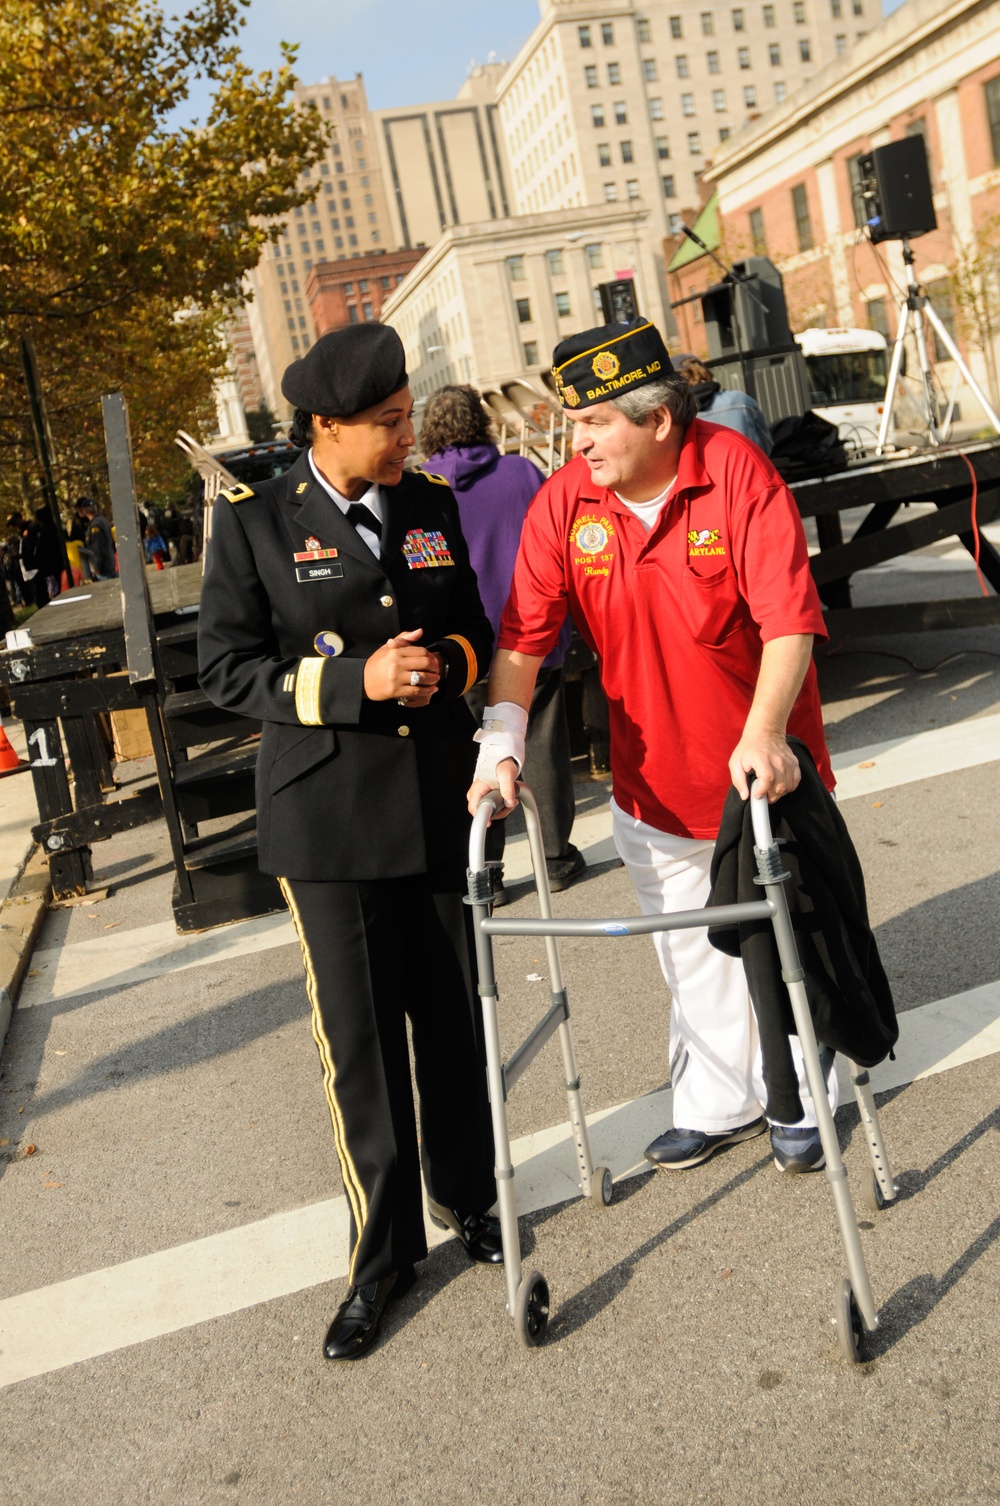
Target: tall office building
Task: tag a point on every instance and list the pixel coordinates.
(628, 100)
(349, 217)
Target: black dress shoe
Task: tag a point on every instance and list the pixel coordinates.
(355, 1327)
(479, 1232)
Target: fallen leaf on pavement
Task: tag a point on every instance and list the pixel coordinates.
(33, 972)
(876, 805)
(869, 764)
(51, 1184)
(29, 1150)
(111, 925)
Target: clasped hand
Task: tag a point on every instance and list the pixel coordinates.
(388, 672)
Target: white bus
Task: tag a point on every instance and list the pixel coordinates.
(847, 376)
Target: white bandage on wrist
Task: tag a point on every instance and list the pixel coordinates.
(502, 736)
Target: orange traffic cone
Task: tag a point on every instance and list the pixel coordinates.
(9, 761)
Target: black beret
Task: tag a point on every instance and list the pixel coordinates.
(601, 364)
(346, 371)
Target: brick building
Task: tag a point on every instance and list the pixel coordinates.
(353, 291)
(787, 186)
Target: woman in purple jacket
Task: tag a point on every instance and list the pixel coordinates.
(494, 492)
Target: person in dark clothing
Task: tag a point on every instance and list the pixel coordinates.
(339, 608)
(100, 540)
(49, 552)
(494, 492)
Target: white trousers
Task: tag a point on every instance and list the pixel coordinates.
(715, 1059)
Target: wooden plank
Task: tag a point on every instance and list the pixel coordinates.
(51, 698)
(913, 617)
(925, 476)
(136, 613)
(888, 543)
(62, 657)
(95, 823)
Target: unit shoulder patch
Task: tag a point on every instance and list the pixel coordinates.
(438, 480)
(238, 493)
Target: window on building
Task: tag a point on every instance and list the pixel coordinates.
(376, 235)
(597, 115)
(674, 223)
(656, 109)
(338, 241)
(583, 32)
(288, 305)
(595, 254)
(681, 64)
(345, 203)
(632, 188)
(610, 192)
(687, 104)
(530, 348)
(723, 133)
(799, 12)
(642, 30)
(555, 261)
(614, 73)
(750, 96)
(598, 305)
(739, 23)
(916, 127)
(662, 144)
(719, 101)
(669, 187)
(604, 154)
(857, 7)
(628, 155)
(707, 24)
(774, 54)
(878, 317)
(676, 27)
(385, 282)
(649, 72)
(769, 15)
(607, 34)
(694, 143)
(840, 44)
(805, 50)
(349, 221)
(523, 306)
(515, 268)
(743, 57)
(943, 305)
(335, 223)
(316, 228)
(803, 223)
(780, 93)
(352, 240)
(295, 342)
(991, 92)
(757, 238)
(562, 305)
(712, 58)
(621, 112)
(352, 314)
(366, 309)
(590, 75)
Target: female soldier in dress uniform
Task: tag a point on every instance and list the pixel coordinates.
(340, 609)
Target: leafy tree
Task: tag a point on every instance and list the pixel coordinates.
(124, 236)
(974, 286)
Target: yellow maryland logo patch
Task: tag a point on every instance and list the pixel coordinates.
(703, 541)
(606, 365)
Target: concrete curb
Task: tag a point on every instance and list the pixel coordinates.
(21, 917)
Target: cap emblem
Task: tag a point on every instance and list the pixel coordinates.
(606, 365)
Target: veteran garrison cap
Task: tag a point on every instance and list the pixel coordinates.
(346, 371)
(601, 364)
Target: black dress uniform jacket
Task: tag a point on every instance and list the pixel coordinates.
(347, 788)
(849, 994)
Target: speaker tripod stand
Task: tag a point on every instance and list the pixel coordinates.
(917, 304)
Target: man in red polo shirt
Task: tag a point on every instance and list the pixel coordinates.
(680, 553)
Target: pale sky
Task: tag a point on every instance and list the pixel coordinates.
(410, 51)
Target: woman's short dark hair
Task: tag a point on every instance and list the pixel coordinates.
(301, 429)
(454, 417)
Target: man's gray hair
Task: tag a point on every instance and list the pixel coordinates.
(671, 392)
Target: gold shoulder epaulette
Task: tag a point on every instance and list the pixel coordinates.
(237, 493)
(438, 480)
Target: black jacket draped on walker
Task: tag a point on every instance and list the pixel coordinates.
(849, 994)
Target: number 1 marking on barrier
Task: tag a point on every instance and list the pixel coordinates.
(40, 739)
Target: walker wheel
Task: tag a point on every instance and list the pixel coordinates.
(873, 1197)
(601, 1186)
(850, 1328)
(531, 1310)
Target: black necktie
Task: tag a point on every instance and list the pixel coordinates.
(363, 517)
